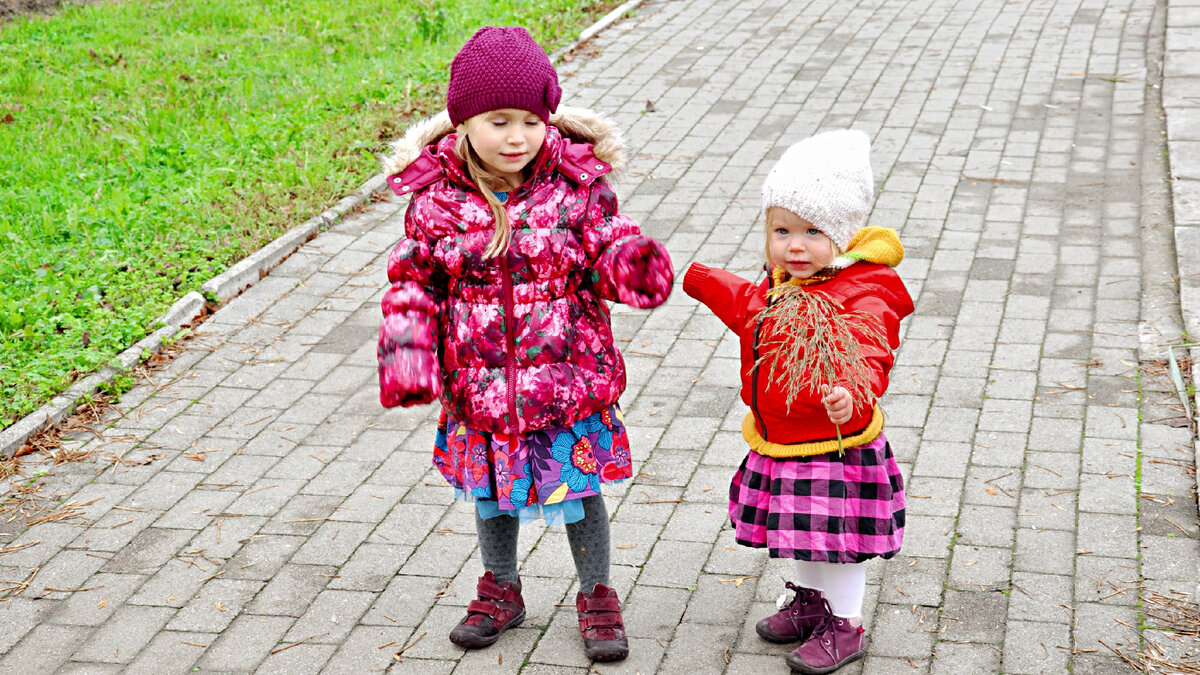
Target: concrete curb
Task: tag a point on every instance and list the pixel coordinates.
(246, 272)
(591, 31)
(182, 313)
(219, 290)
(1182, 107)
(224, 287)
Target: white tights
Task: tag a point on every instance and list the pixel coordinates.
(843, 584)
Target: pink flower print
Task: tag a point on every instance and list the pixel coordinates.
(457, 444)
(620, 450)
(475, 211)
(477, 459)
(493, 402)
(582, 456)
(502, 468)
(533, 245)
(612, 472)
(485, 315)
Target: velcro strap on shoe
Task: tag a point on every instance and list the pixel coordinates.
(599, 605)
(484, 607)
(601, 620)
(489, 589)
(493, 591)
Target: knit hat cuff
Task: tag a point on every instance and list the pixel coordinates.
(541, 103)
(839, 227)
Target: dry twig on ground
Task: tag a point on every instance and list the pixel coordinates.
(1178, 619)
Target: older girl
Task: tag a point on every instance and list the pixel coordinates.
(513, 244)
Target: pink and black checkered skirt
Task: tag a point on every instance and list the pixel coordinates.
(821, 508)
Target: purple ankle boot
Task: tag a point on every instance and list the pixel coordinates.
(833, 644)
(601, 625)
(796, 620)
(499, 607)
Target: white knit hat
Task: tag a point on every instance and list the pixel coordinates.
(826, 180)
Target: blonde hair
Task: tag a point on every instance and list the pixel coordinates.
(837, 250)
(767, 240)
(487, 183)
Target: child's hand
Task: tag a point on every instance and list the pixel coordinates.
(838, 404)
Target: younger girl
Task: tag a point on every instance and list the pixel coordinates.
(496, 308)
(820, 485)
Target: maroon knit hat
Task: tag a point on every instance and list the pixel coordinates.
(501, 68)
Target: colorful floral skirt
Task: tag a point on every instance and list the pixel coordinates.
(542, 474)
(821, 508)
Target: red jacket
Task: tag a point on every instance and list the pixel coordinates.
(770, 428)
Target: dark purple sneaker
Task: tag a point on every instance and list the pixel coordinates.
(796, 620)
(601, 625)
(833, 644)
(499, 607)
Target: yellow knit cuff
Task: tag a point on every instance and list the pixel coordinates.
(768, 449)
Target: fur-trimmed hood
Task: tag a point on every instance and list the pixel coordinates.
(577, 124)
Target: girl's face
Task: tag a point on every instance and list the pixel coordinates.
(795, 245)
(507, 140)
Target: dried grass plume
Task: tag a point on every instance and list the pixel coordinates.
(810, 344)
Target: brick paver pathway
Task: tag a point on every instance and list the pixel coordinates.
(270, 515)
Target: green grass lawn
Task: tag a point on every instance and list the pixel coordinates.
(145, 146)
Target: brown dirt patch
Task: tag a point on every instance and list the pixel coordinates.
(12, 8)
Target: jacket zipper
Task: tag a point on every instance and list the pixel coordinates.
(510, 365)
(754, 376)
(754, 383)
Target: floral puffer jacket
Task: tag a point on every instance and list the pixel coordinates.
(522, 341)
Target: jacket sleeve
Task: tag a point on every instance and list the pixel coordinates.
(627, 266)
(730, 297)
(409, 373)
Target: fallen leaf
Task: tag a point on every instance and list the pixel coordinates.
(737, 581)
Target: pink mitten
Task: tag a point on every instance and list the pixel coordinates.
(408, 369)
(643, 273)
(409, 379)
